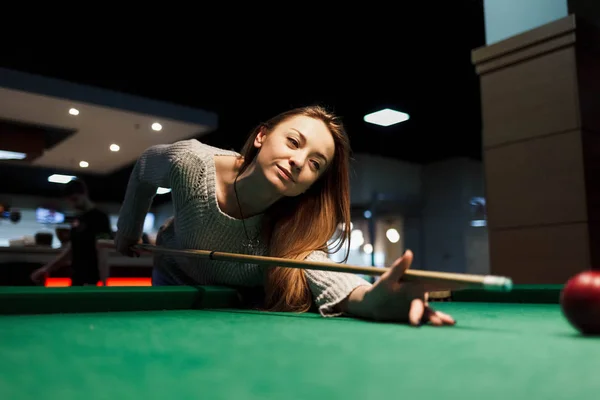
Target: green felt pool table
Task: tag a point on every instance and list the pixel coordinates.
(184, 343)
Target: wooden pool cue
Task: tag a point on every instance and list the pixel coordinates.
(487, 282)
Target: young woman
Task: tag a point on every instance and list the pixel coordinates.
(285, 196)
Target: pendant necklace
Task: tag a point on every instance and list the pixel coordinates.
(250, 244)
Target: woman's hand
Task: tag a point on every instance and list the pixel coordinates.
(124, 245)
(389, 299)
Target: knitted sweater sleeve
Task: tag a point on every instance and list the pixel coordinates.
(330, 288)
(164, 165)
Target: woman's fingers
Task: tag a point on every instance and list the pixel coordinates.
(399, 267)
(437, 318)
(421, 314)
(417, 309)
(445, 318)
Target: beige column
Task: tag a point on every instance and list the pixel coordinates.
(540, 93)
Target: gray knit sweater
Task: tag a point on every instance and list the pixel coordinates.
(188, 168)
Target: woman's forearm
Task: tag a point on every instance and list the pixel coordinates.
(151, 171)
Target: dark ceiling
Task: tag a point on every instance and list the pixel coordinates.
(419, 64)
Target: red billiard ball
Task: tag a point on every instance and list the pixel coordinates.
(580, 302)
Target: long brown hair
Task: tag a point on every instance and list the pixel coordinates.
(297, 226)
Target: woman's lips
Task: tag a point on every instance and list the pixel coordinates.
(286, 173)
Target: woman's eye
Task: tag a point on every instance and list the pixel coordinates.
(294, 141)
(317, 165)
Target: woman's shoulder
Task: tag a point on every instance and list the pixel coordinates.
(196, 148)
(194, 155)
(318, 255)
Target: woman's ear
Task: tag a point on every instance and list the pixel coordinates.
(260, 138)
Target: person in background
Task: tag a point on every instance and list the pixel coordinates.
(89, 225)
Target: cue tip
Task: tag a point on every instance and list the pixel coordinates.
(497, 283)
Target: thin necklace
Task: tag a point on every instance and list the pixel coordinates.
(250, 244)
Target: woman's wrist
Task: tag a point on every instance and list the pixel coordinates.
(355, 303)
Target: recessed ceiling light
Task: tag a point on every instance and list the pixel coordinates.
(386, 117)
(156, 126)
(11, 155)
(74, 111)
(57, 178)
(83, 164)
(162, 190)
(114, 147)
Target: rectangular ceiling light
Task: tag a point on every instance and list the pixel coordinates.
(57, 178)
(11, 155)
(162, 190)
(386, 117)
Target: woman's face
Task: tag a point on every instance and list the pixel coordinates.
(295, 154)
